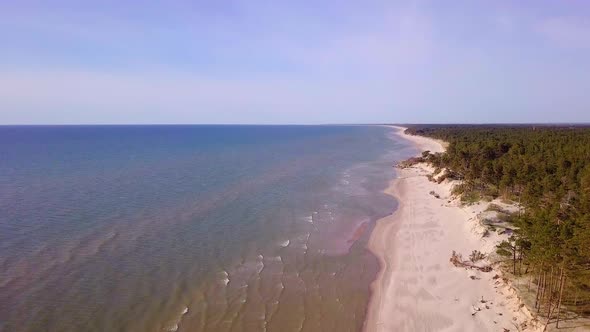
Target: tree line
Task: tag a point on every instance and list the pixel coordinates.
(546, 169)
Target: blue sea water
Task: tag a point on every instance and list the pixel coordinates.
(190, 228)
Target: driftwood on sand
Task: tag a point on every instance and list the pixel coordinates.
(457, 260)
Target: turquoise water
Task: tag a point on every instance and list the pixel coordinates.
(190, 228)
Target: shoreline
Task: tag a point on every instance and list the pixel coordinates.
(417, 288)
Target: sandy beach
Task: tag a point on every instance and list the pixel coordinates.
(418, 289)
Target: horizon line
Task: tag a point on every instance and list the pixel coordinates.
(296, 124)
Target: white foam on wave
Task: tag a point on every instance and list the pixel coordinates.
(309, 219)
(174, 326)
(259, 263)
(224, 277)
(285, 243)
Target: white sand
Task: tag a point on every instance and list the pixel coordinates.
(418, 289)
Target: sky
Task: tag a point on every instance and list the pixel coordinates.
(294, 62)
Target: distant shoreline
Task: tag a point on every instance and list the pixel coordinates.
(417, 288)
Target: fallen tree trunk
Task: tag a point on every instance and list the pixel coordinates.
(457, 260)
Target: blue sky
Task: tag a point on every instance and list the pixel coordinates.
(294, 62)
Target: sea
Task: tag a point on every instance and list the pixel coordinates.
(191, 227)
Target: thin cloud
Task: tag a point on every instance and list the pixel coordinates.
(252, 62)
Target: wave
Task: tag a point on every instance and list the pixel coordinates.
(225, 277)
(174, 325)
(259, 264)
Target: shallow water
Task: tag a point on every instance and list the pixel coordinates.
(190, 228)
